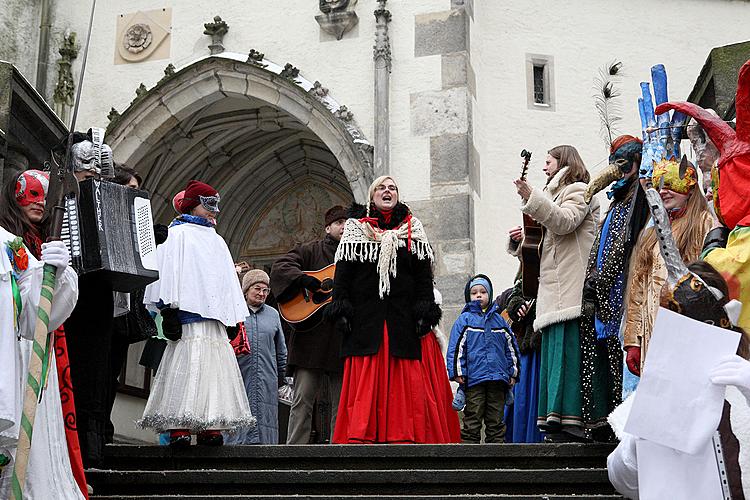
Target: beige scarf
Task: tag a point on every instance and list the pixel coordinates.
(361, 242)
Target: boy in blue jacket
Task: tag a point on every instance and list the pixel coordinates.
(483, 357)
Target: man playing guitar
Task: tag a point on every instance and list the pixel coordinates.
(313, 350)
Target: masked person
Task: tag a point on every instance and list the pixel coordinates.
(198, 387)
(604, 285)
(49, 473)
(691, 222)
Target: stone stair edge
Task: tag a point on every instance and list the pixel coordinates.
(365, 451)
(380, 476)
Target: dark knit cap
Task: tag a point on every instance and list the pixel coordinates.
(335, 213)
(193, 192)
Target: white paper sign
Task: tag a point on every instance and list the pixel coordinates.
(676, 405)
(664, 473)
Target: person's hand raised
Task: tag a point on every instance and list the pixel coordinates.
(523, 188)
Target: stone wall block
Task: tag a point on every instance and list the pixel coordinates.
(445, 218)
(440, 112)
(475, 180)
(185, 99)
(450, 315)
(231, 83)
(295, 105)
(262, 89)
(454, 69)
(440, 33)
(154, 122)
(449, 158)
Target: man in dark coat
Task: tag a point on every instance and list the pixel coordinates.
(314, 351)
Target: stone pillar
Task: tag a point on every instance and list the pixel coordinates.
(382, 57)
(445, 117)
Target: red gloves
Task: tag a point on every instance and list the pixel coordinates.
(633, 359)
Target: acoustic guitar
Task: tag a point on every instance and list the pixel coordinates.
(305, 304)
(531, 246)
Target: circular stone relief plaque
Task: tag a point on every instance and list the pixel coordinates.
(137, 38)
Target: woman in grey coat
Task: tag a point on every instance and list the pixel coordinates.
(263, 369)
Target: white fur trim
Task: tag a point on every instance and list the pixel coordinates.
(557, 317)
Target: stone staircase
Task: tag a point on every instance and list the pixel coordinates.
(553, 471)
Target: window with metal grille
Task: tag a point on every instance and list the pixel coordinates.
(540, 96)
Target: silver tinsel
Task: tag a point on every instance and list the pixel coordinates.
(163, 423)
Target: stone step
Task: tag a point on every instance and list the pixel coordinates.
(399, 482)
(361, 497)
(356, 457)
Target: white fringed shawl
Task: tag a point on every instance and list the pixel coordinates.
(362, 242)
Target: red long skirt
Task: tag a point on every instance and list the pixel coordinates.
(69, 409)
(385, 399)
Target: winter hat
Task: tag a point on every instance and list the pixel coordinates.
(479, 279)
(177, 200)
(335, 213)
(194, 191)
(252, 277)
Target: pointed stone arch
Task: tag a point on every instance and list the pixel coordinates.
(249, 130)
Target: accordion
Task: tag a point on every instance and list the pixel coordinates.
(109, 230)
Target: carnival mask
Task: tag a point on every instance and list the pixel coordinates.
(678, 177)
(86, 155)
(211, 203)
(31, 187)
(734, 148)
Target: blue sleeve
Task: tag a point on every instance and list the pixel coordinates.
(455, 358)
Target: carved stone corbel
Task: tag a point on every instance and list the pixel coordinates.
(338, 16)
(216, 30)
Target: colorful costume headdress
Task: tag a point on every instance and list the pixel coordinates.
(688, 293)
(732, 177)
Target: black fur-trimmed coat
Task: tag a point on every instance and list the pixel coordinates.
(409, 310)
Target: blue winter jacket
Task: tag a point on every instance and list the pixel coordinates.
(482, 347)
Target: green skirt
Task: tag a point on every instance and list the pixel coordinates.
(560, 404)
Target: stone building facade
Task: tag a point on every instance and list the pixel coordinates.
(283, 105)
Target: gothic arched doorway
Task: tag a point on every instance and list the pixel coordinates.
(279, 152)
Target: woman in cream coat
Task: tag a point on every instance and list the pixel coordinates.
(569, 230)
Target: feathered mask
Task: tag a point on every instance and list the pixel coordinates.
(732, 179)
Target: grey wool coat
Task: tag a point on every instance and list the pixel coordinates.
(263, 374)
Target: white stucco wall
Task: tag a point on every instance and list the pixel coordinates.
(581, 36)
(284, 32)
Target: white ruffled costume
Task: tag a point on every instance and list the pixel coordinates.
(49, 474)
(198, 385)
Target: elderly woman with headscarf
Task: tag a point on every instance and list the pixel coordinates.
(395, 387)
(264, 366)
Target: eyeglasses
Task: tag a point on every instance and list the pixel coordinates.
(383, 187)
(264, 291)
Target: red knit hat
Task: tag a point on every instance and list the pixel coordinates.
(193, 192)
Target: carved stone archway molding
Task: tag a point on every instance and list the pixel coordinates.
(182, 93)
